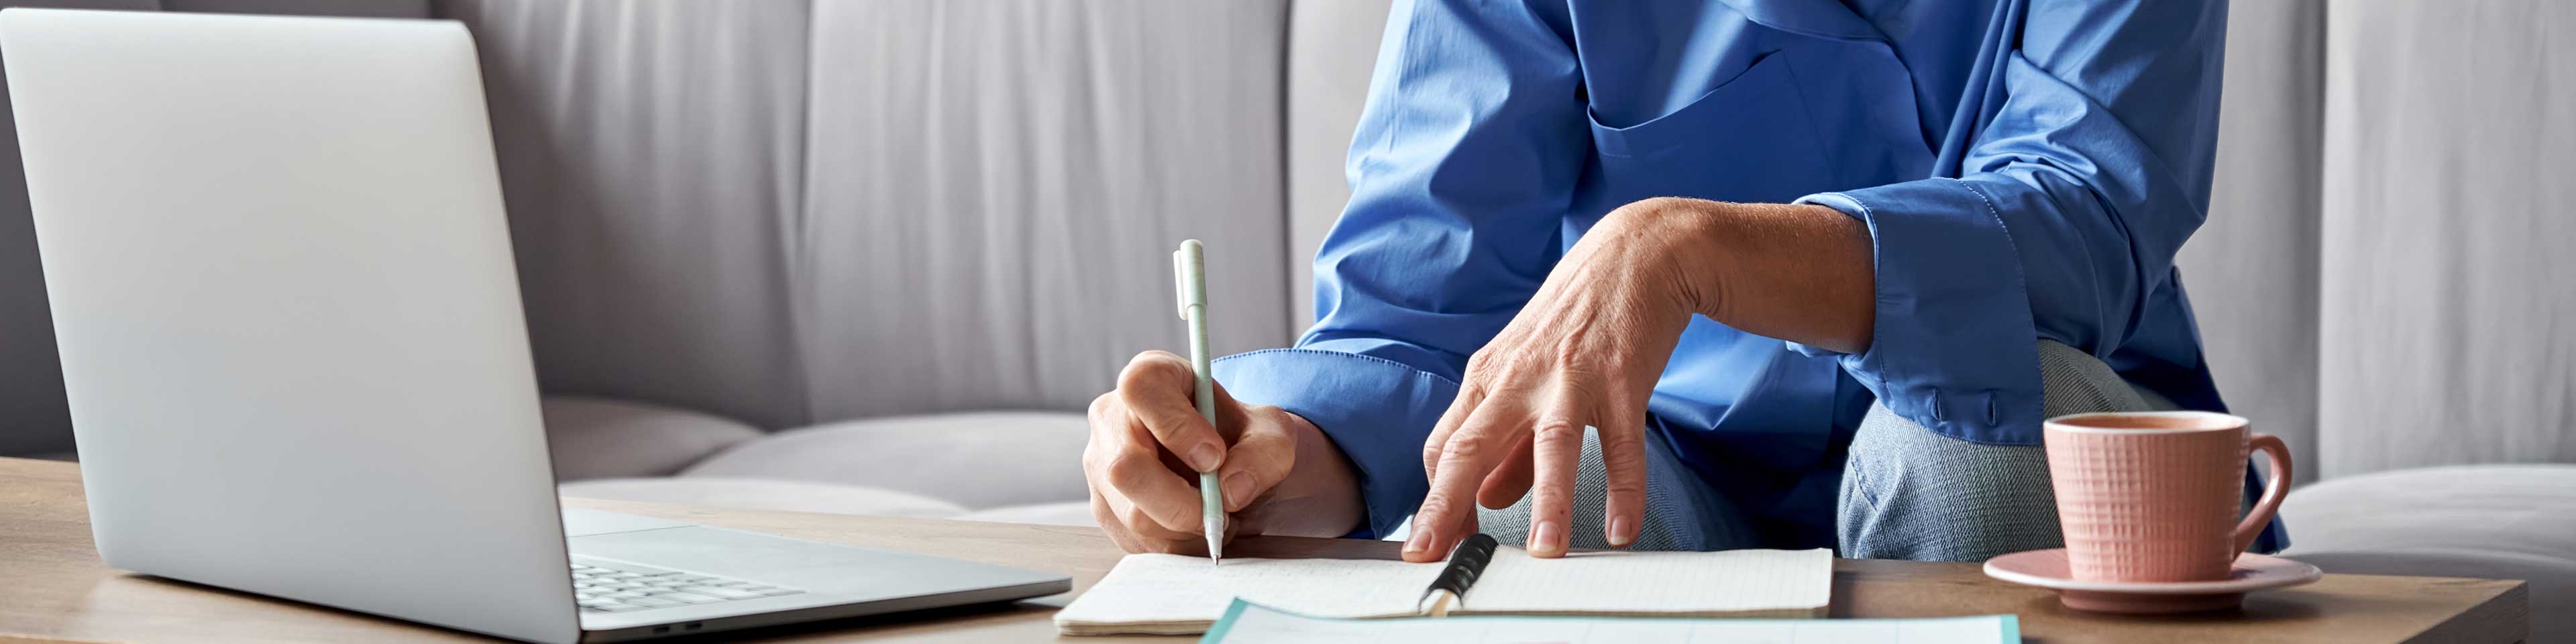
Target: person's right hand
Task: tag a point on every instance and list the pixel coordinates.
(1148, 443)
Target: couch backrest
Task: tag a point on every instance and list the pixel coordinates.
(793, 212)
(2251, 270)
(993, 189)
(652, 155)
(740, 207)
(2447, 311)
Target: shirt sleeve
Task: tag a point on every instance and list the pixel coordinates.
(1462, 170)
(2089, 170)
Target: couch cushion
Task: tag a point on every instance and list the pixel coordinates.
(764, 494)
(2491, 521)
(1063, 513)
(599, 437)
(979, 460)
(2522, 509)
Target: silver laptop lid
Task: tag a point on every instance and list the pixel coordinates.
(282, 285)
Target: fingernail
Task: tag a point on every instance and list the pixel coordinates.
(1238, 490)
(1420, 543)
(1619, 534)
(1547, 537)
(1206, 457)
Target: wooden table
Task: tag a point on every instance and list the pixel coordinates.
(53, 587)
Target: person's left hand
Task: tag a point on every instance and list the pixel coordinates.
(1586, 350)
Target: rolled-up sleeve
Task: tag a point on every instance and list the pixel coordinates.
(2089, 169)
(1461, 171)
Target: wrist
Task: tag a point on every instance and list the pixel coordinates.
(1680, 239)
(1321, 495)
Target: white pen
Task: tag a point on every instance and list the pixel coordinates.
(1189, 271)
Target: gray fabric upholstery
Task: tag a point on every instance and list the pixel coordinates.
(979, 460)
(2447, 312)
(2525, 509)
(348, 8)
(2492, 521)
(2251, 270)
(994, 188)
(602, 438)
(828, 498)
(764, 494)
(1331, 48)
(1077, 513)
(651, 156)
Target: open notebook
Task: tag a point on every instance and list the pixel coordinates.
(1176, 595)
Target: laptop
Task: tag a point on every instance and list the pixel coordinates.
(292, 341)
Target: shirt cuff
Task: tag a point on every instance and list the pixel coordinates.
(1952, 346)
(1377, 411)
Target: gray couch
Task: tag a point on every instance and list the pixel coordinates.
(874, 257)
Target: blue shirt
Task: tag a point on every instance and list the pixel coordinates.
(2026, 170)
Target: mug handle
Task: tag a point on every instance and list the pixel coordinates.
(2279, 453)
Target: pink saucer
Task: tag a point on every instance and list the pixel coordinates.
(2047, 569)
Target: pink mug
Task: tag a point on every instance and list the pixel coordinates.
(2153, 496)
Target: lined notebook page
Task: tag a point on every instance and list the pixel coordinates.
(1158, 592)
(1174, 594)
(1260, 625)
(1746, 583)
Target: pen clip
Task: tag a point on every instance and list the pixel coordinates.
(1189, 276)
(1180, 285)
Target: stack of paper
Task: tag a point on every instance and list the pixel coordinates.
(1174, 594)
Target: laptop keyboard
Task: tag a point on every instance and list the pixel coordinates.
(604, 586)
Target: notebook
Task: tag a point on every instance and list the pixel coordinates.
(1165, 594)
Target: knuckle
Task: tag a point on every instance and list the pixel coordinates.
(1434, 506)
(1149, 369)
(1621, 458)
(1481, 359)
(1627, 443)
(1128, 469)
(1466, 447)
(1102, 407)
(1559, 429)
